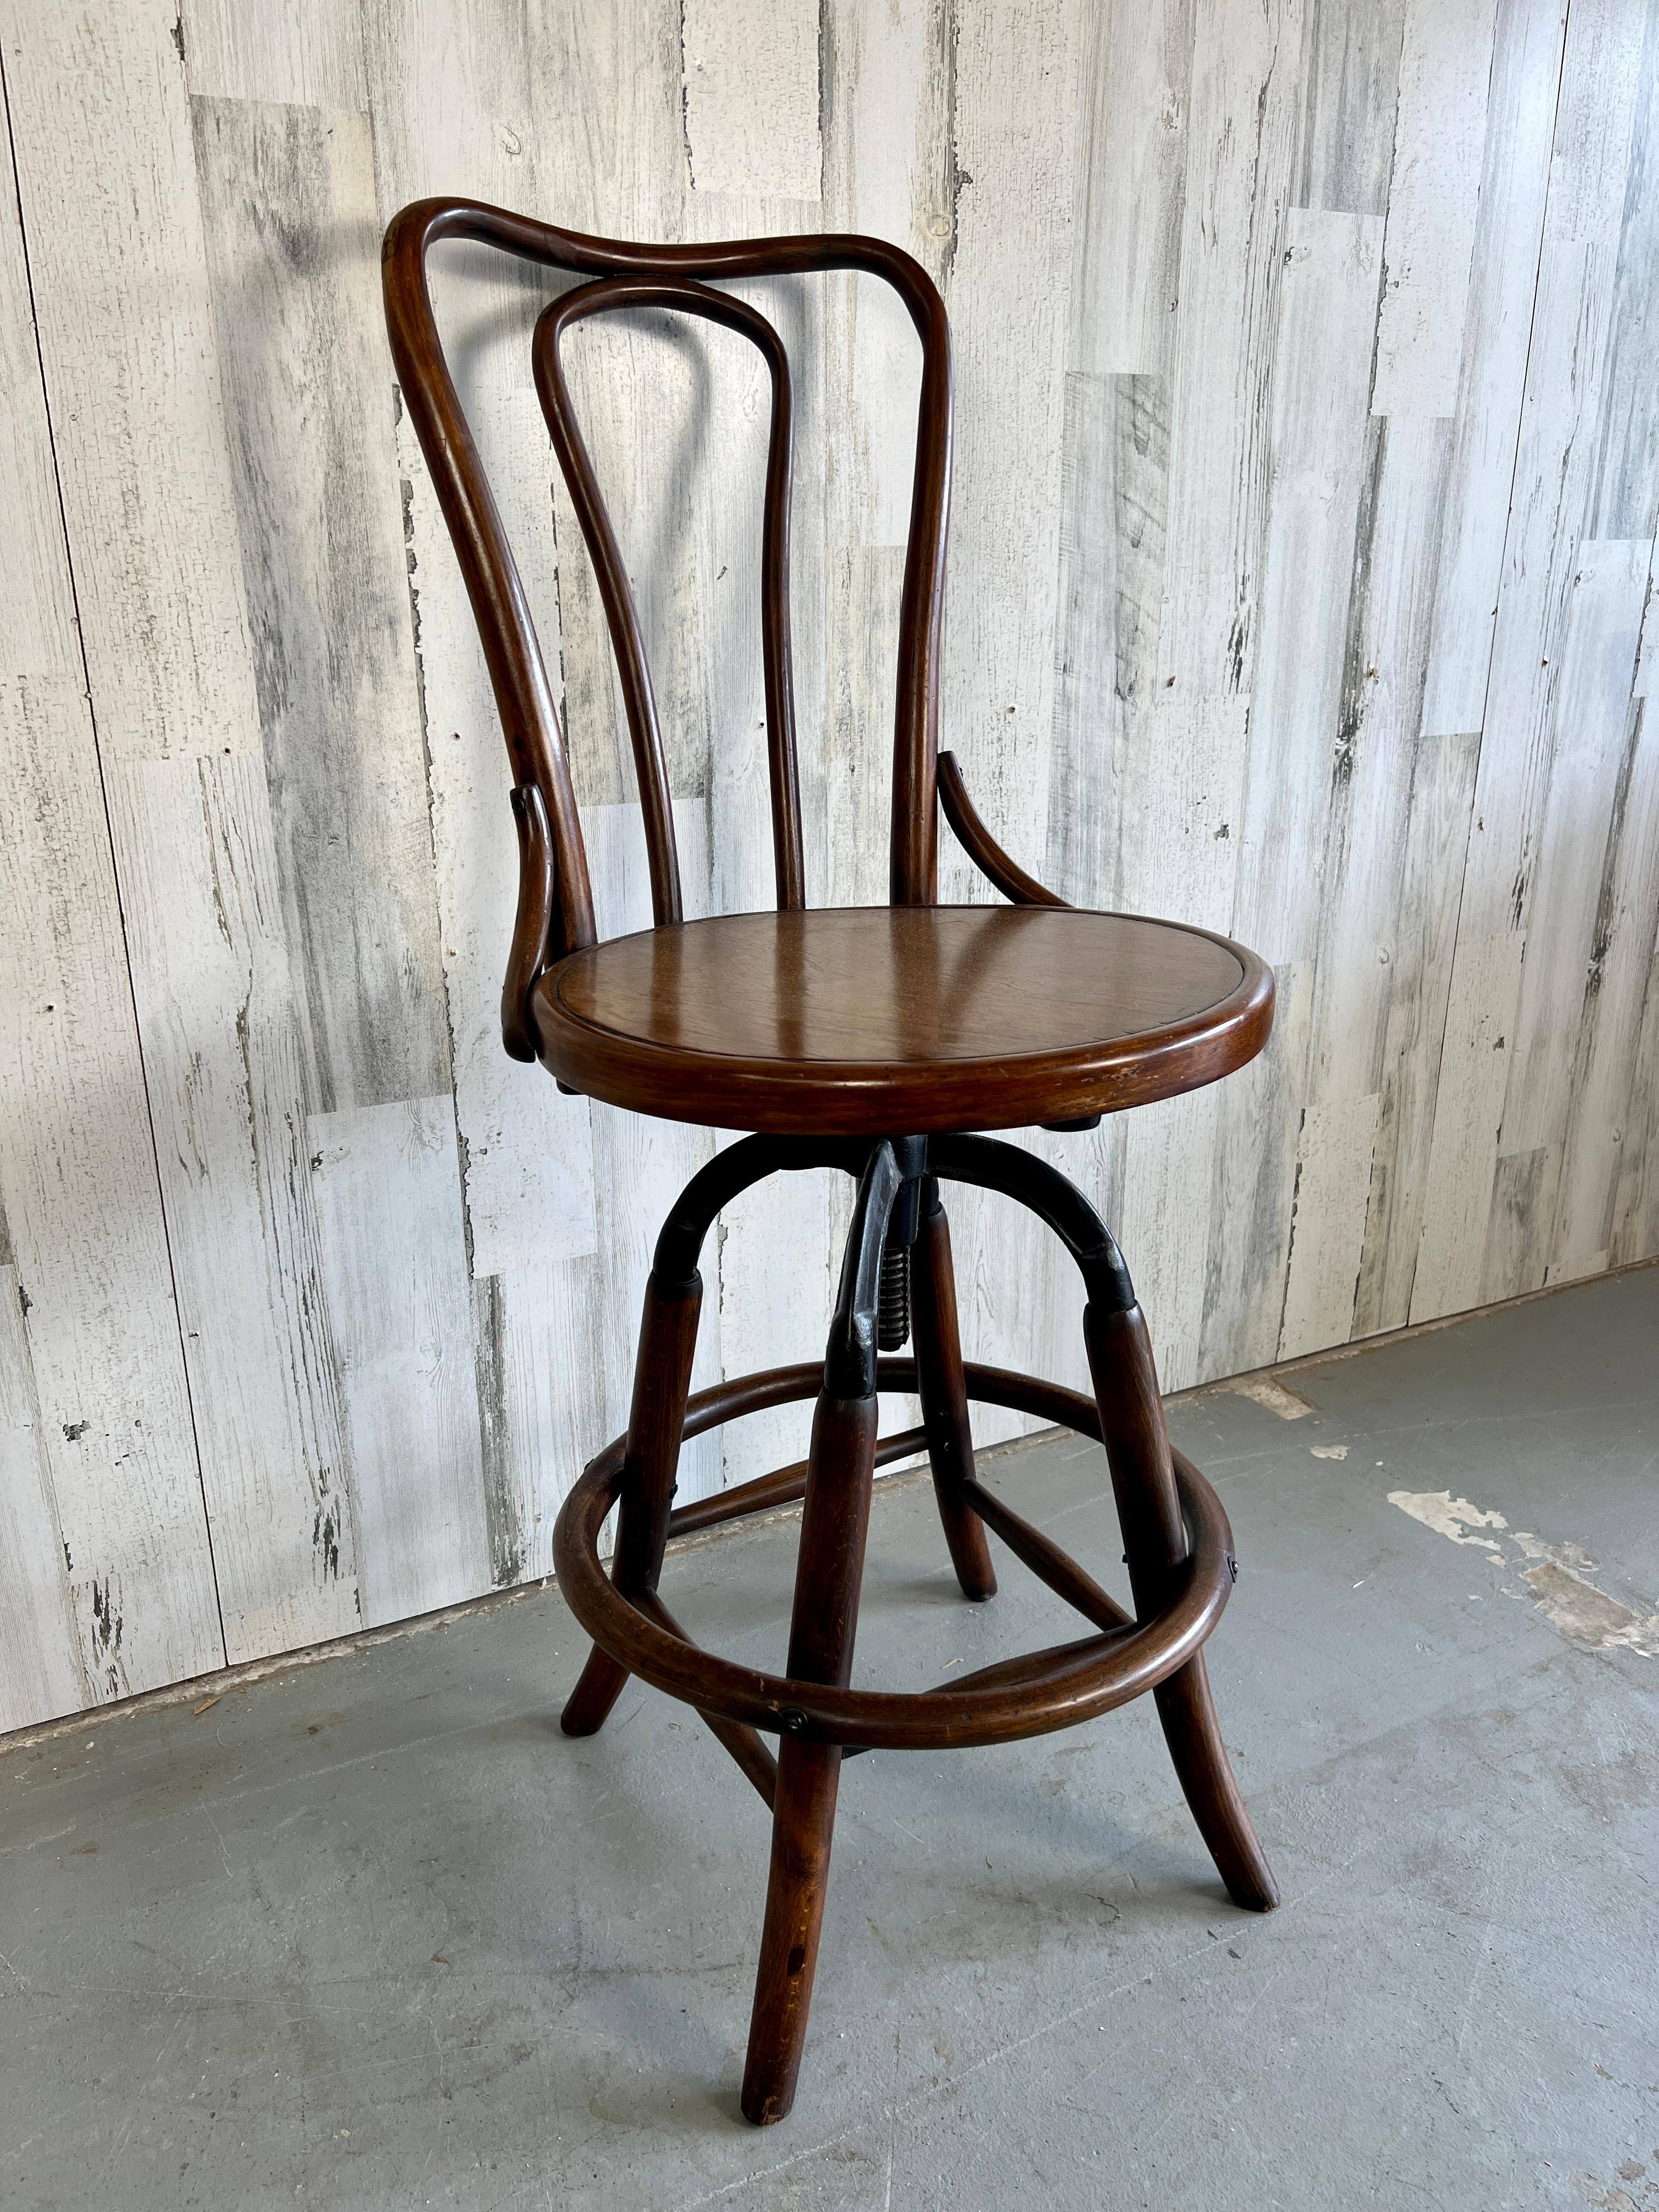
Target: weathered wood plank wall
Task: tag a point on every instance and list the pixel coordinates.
(1307, 475)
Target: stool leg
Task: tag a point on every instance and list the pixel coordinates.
(833, 1525)
(1155, 1541)
(944, 1399)
(662, 1380)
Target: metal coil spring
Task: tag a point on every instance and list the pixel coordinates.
(893, 1309)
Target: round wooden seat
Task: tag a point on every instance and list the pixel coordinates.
(866, 1019)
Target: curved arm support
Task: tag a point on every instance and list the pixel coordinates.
(535, 923)
(599, 297)
(1019, 1175)
(982, 847)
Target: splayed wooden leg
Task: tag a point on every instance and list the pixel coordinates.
(834, 1525)
(662, 1378)
(1155, 1543)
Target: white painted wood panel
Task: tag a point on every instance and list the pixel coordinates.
(125, 311)
(861, 639)
(129, 360)
(39, 635)
(1240, 140)
(1588, 764)
(1647, 655)
(1468, 1113)
(97, 1370)
(1392, 875)
(1303, 355)
(1635, 1224)
(78, 1192)
(1334, 1157)
(1414, 1026)
(218, 1010)
(1014, 134)
(752, 96)
(303, 52)
(1560, 977)
(1625, 501)
(41, 1670)
(1258, 1126)
(890, 170)
(1136, 70)
(1114, 488)
(1606, 1112)
(1554, 473)
(1521, 105)
(1318, 457)
(541, 1390)
(1349, 82)
(288, 216)
(388, 1188)
(1322, 372)
(1440, 132)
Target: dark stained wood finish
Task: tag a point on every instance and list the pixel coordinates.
(982, 847)
(785, 1487)
(1084, 1681)
(911, 1025)
(1047, 1561)
(834, 1525)
(662, 1379)
(863, 1019)
(1177, 1543)
(798, 1879)
(1143, 1476)
(1192, 1733)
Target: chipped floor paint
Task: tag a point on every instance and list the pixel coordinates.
(1557, 1581)
(1329, 1451)
(1586, 1615)
(1277, 1397)
(1449, 1516)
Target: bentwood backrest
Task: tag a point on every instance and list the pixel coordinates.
(555, 907)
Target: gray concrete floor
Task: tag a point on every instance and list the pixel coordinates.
(373, 1934)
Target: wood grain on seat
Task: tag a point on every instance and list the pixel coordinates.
(871, 1019)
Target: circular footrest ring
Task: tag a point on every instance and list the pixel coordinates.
(1080, 1680)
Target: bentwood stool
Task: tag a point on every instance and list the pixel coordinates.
(872, 1040)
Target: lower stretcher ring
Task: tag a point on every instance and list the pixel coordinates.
(1027, 1696)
